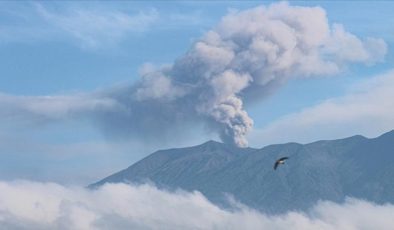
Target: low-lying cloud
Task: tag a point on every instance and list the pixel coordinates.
(33, 205)
(246, 56)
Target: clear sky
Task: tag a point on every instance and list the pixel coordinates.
(66, 67)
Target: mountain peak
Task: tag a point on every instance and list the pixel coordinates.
(212, 143)
(215, 147)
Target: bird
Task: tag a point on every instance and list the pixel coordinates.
(280, 161)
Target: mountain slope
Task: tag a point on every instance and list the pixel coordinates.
(323, 170)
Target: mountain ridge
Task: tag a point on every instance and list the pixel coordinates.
(325, 170)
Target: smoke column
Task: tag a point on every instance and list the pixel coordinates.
(247, 55)
(252, 50)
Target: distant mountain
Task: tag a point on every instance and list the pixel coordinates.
(323, 170)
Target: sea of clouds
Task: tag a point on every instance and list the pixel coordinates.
(37, 205)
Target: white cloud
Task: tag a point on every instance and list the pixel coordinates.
(25, 204)
(367, 109)
(87, 27)
(348, 47)
(59, 107)
(91, 27)
(95, 28)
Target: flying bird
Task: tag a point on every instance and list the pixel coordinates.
(280, 161)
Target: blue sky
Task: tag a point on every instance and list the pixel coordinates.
(70, 49)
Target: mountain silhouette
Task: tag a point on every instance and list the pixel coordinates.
(324, 170)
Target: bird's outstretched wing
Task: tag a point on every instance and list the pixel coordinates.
(283, 158)
(276, 165)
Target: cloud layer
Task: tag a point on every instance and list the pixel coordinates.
(367, 109)
(91, 27)
(26, 204)
(44, 108)
(246, 56)
(95, 28)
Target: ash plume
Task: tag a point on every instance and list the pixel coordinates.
(246, 56)
(251, 50)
